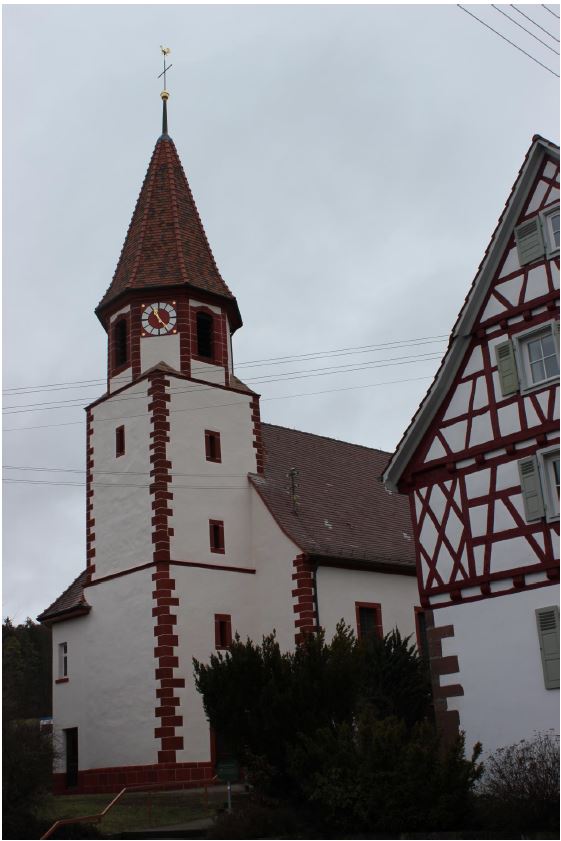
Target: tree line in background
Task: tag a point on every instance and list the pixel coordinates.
(27, 752)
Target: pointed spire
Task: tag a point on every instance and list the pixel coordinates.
(166, 244)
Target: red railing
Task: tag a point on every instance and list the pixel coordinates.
(100, 815)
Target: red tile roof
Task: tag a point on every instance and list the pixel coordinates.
(71, 601)
(166, 244)
(343, 510)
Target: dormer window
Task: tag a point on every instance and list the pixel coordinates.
(205, 337)
(121, 342)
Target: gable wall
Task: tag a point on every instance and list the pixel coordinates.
(466, 503)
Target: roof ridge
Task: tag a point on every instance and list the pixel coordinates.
(329, 438)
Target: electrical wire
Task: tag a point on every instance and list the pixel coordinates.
(515, 22)
(549, 10)
(276, 360)
(288, 376)
(543, 29)
(549, 70)
(222, 405)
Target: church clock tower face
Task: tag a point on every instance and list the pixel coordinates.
(159, 319)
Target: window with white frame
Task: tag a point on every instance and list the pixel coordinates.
(537, 356)
(539, 484)
(63, 659)
(551, 230)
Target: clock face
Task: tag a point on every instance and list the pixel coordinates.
(159, 319)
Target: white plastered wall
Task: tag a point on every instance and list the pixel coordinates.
(497, 646)
(258, 604)
(154, 349)
(204, 490)
(111, 693)
(122, 504)
(339, 590)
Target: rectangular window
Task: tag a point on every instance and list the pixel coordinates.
(537, 356)
(63, 660)
(539, 484)
(551, 230)
(216, 529)
(548, 461)
(120, 441)
(222, 630)
(212, 446)
(368, 619)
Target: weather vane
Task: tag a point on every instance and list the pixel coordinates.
(165, 52)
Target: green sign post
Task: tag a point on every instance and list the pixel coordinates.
(228, 772)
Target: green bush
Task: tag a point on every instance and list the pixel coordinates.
(380, 776)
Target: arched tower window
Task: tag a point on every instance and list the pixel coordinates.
(205, 337)
(121, 342)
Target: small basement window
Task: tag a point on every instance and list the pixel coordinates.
(212, 446)
(205, 335)
(222, 630)
(216, 529)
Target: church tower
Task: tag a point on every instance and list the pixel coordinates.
(170, 444)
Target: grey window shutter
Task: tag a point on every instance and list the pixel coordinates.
(547, 619)
(529, 241)
(531, 488)
(506, 363)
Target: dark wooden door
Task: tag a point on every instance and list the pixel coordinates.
(71, 757)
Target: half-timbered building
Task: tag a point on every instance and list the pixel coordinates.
(480, 465)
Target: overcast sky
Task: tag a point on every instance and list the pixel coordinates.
(349, 164)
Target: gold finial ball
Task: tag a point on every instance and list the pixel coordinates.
(165, 95)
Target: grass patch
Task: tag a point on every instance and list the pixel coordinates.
(136, 810)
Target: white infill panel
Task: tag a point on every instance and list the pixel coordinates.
(455, 435)
(481, 397)
(554, 274)
(436, 450)
(507, 475)
(477, 484)
(493, 308)
(502, 518)
(538, 197)
(509, 419)
(511, 263)
(459, 403)
(479, 559)
(510, 289)
(478, 520)
(481, 430)
(537, 284)
(475, 362)
(510, 554)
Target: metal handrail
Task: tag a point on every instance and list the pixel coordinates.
(100, 815)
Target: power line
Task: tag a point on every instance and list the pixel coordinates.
(549, 10)
(277, 360)
(222, 405)
(122, 485)
(515, 22)
(508, 42)
(524, 15)
(117, 472)
(76, 402)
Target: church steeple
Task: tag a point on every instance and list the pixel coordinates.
(167, 270)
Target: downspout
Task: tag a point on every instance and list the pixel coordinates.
(316, 605)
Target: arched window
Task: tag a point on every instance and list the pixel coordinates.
(121, 342)
(205, 330)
